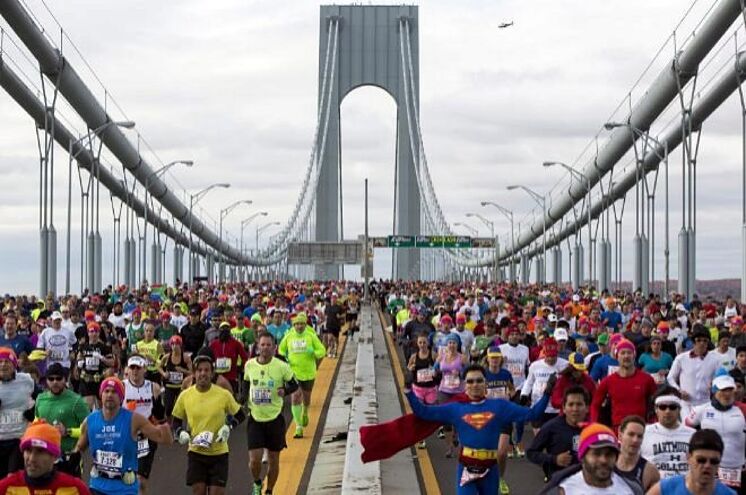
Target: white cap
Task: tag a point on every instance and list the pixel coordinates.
(56, 316)
(560, 334)
(723, 382)
(576, 297)
(681, 307)
(552, 318)
(137, 361)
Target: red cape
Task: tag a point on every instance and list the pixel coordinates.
(383, 440)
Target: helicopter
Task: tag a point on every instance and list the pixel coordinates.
(503, 25)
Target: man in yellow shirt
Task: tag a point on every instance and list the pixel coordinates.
(211, 413)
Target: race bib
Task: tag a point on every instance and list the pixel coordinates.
(203, 440)
(223, 365)
(451, 381)
(54, 355)
(108, 462)
(472, 474)
(612, 370)
(175, 376)
(133, 348)
(730, 477)
(261, 395)
(298, 346)
(497, 393)
(143, 448)
(515, 369)
(92, 362)
(658, 378)
(425, 375)
(10, 419)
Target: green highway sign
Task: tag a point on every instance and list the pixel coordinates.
(401, 241)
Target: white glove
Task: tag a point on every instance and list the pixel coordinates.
(184, 437)
(223, 434)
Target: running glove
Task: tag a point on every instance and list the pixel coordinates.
(184, 437)
(223, 434)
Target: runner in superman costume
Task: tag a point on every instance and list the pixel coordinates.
(477, 420)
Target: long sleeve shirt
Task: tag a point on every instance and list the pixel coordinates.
(554, 438)
(538, 376)
(628, 395)
(693, 375)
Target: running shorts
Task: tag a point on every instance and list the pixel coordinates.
(212, 470)
(268, 435)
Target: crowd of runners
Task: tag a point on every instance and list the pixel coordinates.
(102, 380)
(608, 393)
(605, 392)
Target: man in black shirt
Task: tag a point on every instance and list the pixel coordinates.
(193, 333)
(334, 317)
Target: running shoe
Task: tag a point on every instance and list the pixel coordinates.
(422, 445)
(520, 453)
(504, 488)
(257, 489)
(441, 433)
(298, 432)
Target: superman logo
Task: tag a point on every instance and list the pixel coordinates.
(478, 420)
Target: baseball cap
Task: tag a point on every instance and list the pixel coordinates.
(560, 334)
(596, 436)
(460, 318)
(723, 382)
(552, 318)
(603, 339)
(550, 347)
(56, 369)
(56, 316)
(138, 361)
(494, 352)
(577, 361)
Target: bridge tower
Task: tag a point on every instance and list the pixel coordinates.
(369, 53)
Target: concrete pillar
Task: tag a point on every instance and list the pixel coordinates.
(52, 260)
(524, 269)
(683, 284)
(98, 263)
(91, 262)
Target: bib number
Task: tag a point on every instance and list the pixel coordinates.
(425, 375)
(515, 369)
(92, 363)
(55, 355)
(9, 420)
(203, 440)
(472, 474)
(730, 477)
(261, 396)
(143, 449)
(612, 370)
(108, 462)
(497, 393)
(451, 381)
(299, 346)
(175, 376)
(223, 365)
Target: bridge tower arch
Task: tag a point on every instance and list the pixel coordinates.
(369, 53)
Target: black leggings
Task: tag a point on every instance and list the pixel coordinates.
(169, 399)
(11, 459)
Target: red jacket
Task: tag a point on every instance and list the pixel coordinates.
(230, 349)
(630, 395)
(61, 484)
(564, 382)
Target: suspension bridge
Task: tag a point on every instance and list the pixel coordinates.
(642, 162)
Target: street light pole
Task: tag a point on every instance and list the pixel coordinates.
(156, 173)
(577, 174)
(246, 222)
(541, 201)
(223, 213)
(193, 200)
(509, 214)
(491, 226)
(261, 229)
(126, 124)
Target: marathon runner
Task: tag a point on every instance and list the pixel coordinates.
(152, 350)
(64, 410)
(630, 463)
(666, 442)
(422, 368)
(16, 410)
(478, 424)
(143, 397)
(112, 435)
(57, 342)
(303, 350)
(41, 448)
(210, 413)
(94, 358)
(175, 367)
(268, 381)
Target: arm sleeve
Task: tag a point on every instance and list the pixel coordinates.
(535, 452)
(442, 413)
(528, 384)
(598, 399)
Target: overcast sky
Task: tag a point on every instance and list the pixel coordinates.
(232, 85)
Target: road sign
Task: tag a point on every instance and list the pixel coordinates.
(401, 241)
(482, 242)
(320, 253)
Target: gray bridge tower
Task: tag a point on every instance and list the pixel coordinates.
(369, 53)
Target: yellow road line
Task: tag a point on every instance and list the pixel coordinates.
(294, 459)
(423, 458)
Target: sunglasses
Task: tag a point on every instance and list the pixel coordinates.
(712, 461)
(55, 379)
(668, 407)
(473, 381)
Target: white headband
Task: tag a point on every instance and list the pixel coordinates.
(668, 399)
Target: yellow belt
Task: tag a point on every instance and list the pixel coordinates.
(479, 454)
